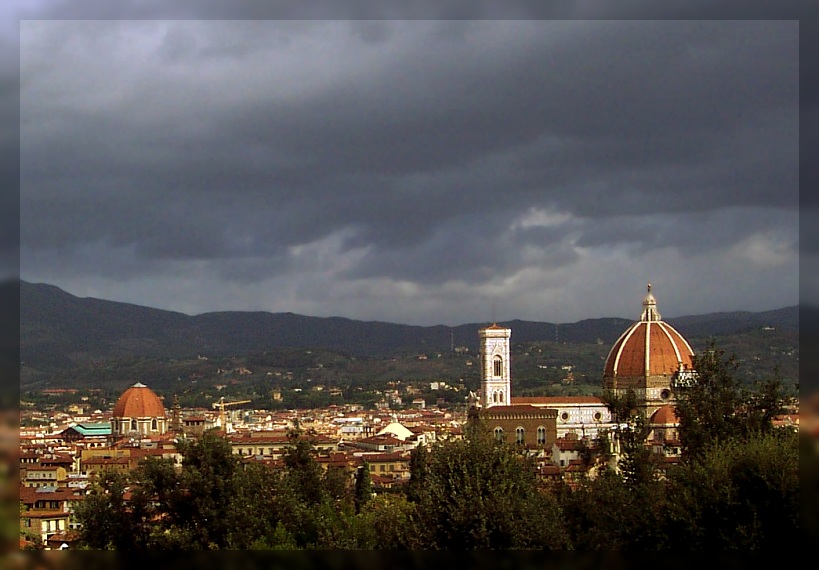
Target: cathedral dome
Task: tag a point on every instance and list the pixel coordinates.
(649, 347)
(139, 401)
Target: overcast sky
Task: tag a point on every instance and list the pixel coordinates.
(421, 172)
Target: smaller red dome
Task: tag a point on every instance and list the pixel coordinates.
(139, 401)
(665, 416)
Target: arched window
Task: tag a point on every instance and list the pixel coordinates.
(133, 425)
(519, 435)
(153, 424)
(541, 435)
(499, 434)
(498, 366)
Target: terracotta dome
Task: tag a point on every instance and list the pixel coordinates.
(649, 347)
(665, 416)
(139, 401)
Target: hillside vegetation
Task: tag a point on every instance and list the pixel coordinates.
(68, 341)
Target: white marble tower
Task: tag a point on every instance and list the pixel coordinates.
(495, 366)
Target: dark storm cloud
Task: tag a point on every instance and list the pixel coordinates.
(426, 9)
(613, 112)
(413, 151)
(691, 234)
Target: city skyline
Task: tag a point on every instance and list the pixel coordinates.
(429, 172)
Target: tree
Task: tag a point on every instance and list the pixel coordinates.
(418, 473)
(716, 407)
(107, 520)
(622, 508)
(337, 483)
(314, 504)
(395, 521)
(256, 513)
(363, 487)
(636, 463)
(302, 470)
(482, 495)
(189, 507)
(606, 514)
(209, 471)
(739, 494)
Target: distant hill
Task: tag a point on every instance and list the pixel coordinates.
(59, 330)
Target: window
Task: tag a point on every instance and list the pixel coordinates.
(498, 366)
(541, 435)
(499, 434)
(153, 424)
(519, 433)
(133, 425)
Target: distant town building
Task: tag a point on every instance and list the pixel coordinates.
(87, 430)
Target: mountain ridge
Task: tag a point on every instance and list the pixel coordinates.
(62, 327)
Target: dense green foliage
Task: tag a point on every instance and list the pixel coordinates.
(737, 495)
(720, 408)
(480, 495)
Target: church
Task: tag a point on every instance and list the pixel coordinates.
(138, 413)
(650, 358)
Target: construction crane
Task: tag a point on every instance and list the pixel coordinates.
(221, 405)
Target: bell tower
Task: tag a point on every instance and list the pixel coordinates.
(495, 366)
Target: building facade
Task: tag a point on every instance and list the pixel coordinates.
(581, 416)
